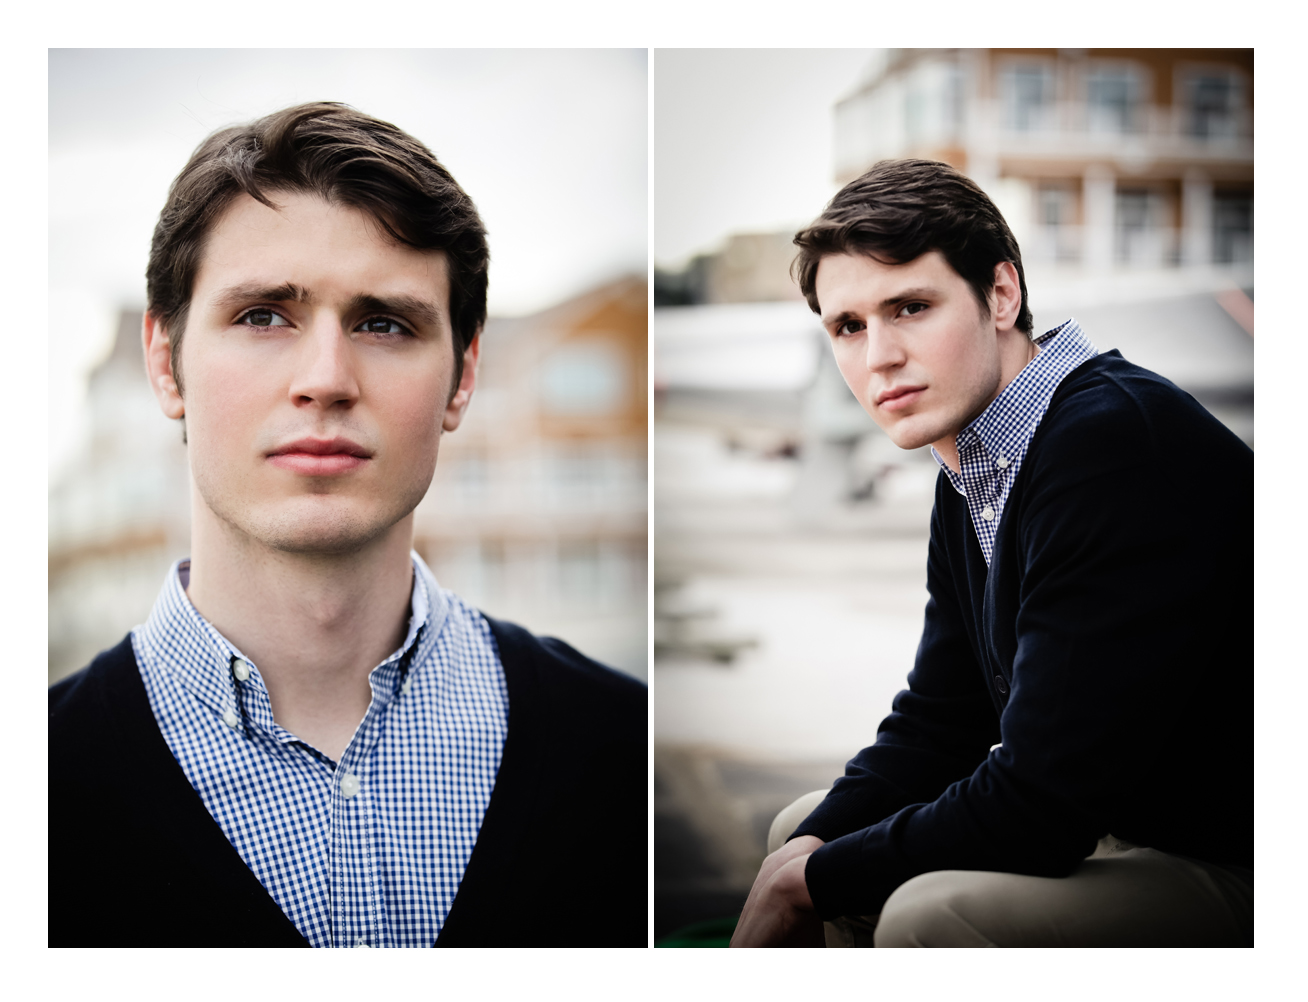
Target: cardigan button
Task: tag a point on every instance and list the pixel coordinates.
(1001, 685)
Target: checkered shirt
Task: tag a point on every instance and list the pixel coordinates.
(992, 447)
(368, 851)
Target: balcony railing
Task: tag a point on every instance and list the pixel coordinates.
(1074, 128)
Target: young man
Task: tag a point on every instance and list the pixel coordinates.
(1086, 662)
(310, 742)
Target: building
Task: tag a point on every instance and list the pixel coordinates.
(119, 513)
(1097, 157)
(750, 268)
(536, 513)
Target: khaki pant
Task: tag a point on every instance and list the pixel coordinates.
(1122, 895)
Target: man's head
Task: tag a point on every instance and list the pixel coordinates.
(343, 156)
(317, 288)
(919, 283)
(899, 210)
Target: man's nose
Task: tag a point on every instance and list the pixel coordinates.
(325, 373)
(883, 348)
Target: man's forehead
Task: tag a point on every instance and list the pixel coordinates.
(311, 227)
(308, 250)
(863, 275)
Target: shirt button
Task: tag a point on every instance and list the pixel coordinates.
(349, 785)
(1001, 685)
(241, 670)
(1002, 462)
(231, 719)
(988, 513)
(404, 689)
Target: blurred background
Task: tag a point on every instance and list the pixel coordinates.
(538, 509)
(790, 534)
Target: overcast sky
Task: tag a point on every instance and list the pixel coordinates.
(742, 141)
(550, 144)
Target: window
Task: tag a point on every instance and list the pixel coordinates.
(1232, 227)
(584, 378)
(1029, 96)
(1113, 94)
(1141, 237)
(1212, 100)
(1056, 217)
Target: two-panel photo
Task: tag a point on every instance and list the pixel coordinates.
(678, 498)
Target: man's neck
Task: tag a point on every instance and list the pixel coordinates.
(315, 625)
(1016, 351)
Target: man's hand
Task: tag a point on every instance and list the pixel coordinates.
(778, 911)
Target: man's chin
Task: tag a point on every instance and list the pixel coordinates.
(322, 529)
(908, 437)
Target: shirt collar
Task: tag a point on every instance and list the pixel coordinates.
(186, 644)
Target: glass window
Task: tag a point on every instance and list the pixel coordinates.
(1112, 94)
(1232, 227)
(584, 378)
(1212, 104)
(1030, 96)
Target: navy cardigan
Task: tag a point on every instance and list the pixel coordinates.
(1109, 646)
(561, 858)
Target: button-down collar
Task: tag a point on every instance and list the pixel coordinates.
(229, 683)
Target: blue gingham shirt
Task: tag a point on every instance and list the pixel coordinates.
(367, 851)
(992, 447)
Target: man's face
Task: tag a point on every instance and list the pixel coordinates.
(318, 367)
(912, 343)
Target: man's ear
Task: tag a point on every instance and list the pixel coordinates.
(458, 404)
(159, 367)
(1007, 295)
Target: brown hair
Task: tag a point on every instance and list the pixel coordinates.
(347, 157)
(900, 210)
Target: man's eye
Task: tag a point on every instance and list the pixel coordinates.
(264, 318)
(850, 327)
(381, 325)
(910, 309)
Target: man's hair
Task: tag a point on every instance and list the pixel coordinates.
(344, 156)
(900, 210)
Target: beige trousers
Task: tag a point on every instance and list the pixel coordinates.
(1122, 895)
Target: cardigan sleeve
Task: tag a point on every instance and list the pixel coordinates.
(1106, 640)
(939, 729)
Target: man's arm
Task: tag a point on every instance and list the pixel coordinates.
(1117, 611)
(940, 728)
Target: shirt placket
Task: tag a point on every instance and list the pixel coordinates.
(982, 483)
(357, 905)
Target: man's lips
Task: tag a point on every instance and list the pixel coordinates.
(897, 398)
(320, 457)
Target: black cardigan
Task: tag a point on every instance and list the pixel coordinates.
(561, 858)
(1109, 645)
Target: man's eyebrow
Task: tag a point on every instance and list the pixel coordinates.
(918, 292)
(241, 295)
(413, 307)
(420, 310)
(839, 319)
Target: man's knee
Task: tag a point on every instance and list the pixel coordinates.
(931, 910)
(790, 818)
